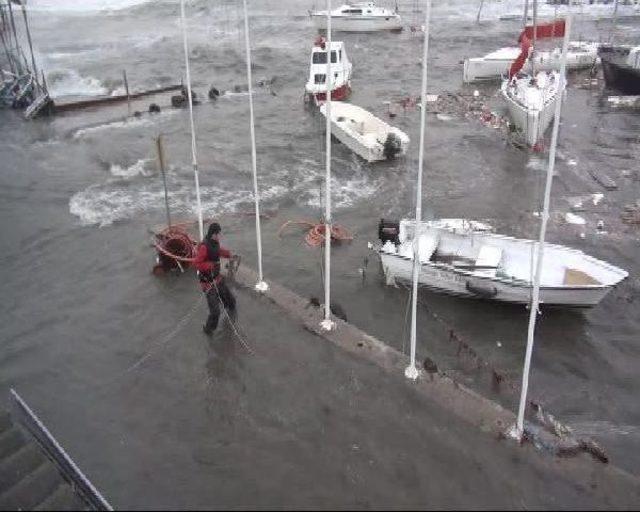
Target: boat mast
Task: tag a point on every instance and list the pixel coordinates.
(327, 324)
(33, 59)
(526, 14)
(411, 372)
(535, 300)
(194, 157)
(261, 285)
(479, 11)
(535, 37)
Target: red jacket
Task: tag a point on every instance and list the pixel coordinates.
(204, 264)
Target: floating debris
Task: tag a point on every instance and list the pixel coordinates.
(571, 218)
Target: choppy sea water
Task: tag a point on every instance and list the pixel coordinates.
(80, 191)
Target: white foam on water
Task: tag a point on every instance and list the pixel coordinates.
(82, 5)
(137, 169)
(344, 193)
(572, 218)
(596, 198)
(537, 164)
(69, 82)
(114, 125)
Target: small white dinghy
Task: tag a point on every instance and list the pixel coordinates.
(358, 17)
(580, 55)
(531, 102)
(463, 257)
(365, 134)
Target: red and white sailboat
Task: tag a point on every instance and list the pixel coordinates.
(316, 87)
(531, 97)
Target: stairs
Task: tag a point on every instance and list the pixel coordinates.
(28, 479)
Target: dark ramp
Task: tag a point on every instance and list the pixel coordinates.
(28, 479)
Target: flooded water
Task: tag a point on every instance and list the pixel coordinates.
(196, 423)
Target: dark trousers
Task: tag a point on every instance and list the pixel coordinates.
(219, 293)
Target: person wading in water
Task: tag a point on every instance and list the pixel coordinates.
(213, 284)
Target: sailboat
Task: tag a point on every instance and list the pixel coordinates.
(358, 17)
(531, 97)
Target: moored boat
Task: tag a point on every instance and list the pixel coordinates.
(358, 17)
(531, 102)
(465, 258)
(341, 67)
(581, 55)
(621, 67)
(365, 134)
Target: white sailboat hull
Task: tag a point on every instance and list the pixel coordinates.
(357, 24)
(495, 65)
(534, 120)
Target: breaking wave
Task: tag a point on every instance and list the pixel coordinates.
(69, 82)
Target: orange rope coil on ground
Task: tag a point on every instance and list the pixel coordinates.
(316, 232)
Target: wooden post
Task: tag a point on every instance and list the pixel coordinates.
(126, 88)
(164, 177)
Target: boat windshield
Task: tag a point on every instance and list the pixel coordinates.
(321, 57)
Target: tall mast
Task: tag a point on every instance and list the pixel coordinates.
(411, 372)
(535, 299)
(526, 14)
(194, 157)
(327, 323)
(26, 26)
(261, 285)
(535, 37)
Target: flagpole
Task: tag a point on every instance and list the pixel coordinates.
(535, 300)
(261, 285)
(194, 156)
(327, 324)
(411, 372)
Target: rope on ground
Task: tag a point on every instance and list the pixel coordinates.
(316, 232)
(233, 324)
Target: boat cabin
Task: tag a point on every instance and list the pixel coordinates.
(340, 66)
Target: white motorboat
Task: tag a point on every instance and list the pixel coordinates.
(365, 134)
(531, 102)
(581, 55)
(464, 257)
(341, 68)
(358, 17)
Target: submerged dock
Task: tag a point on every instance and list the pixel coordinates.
(566, 457)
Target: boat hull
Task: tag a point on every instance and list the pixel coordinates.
(621, 77)
(482, 69)
(359, 24)
(338, 94)
(448, 281)
(533, 123)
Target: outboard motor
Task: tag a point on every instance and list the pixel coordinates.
(392, 146)
(389, 231)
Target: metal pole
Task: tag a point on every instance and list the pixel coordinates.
(526, 14)
(535, 301)
(614, 21)
(13, 25)
(261, 285)
(26, 26)
(194, 157)
(479, 11)
(327, 324)
(411, 372)
(126, 88)
(164, 177)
